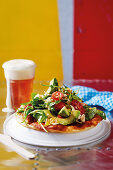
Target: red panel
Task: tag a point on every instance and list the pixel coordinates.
(93, 39)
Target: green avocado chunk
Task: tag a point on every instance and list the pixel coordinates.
(101, 113)
(76, 113)
(53, 83)
(70, 119)
(65, 121)
(91, 112)
(48, 113)
(64, 112)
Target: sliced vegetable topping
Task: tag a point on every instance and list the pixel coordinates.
(59, 105)
(64, 112)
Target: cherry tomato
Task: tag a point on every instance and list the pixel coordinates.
(78, 106)
(57, 95)
(59, 106)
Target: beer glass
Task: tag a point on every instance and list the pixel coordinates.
(19, 74)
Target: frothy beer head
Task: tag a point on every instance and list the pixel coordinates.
(19, 69)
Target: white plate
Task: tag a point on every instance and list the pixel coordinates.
(37, 138)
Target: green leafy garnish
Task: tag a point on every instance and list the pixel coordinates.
(38, 103)
(26, 103)
(44, 128)
(52, 108)
(73, 96)
(27, 111)
(86, 107)
(20, 110)
(52, 86)
(33, 95)
(39, 115)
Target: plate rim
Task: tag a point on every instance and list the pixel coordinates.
(48, 144)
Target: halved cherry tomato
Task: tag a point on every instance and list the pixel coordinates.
(59, 106)
(57, 95)
(78, 106)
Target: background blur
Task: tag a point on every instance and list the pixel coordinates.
(93, 39)
(67, 39)
(29, 29)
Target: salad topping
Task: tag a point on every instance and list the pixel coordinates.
(59, 105)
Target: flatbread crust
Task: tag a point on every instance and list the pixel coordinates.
(73, 128)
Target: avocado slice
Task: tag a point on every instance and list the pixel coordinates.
(64, 112)
(69, 120)
(90, 113)
(101, 113)
(76, 113)
(48, 113)
(64, 121)
(53, 83)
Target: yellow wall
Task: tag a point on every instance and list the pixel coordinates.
(30, 29)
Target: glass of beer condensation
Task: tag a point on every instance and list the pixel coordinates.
(19, 74)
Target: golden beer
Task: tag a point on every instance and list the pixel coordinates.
(20, 91)
(19, 75)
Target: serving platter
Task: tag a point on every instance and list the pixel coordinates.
(37, 138)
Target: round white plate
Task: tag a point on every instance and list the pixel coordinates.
(37, 138)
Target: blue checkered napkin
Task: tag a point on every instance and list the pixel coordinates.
(91, 96)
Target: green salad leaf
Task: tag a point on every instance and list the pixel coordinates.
(26, 103)
(28, 110)
(39, 115)
(20, 110)
(33, 95)
(38, 103)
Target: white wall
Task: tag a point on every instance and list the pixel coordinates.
(66, 33)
